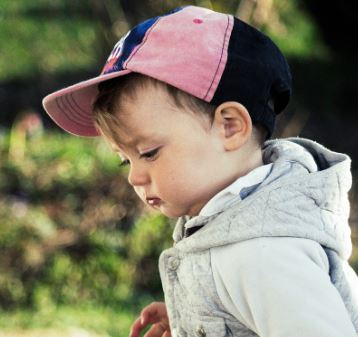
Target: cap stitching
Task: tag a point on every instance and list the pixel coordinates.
(66, 98)
(78, 106)
(69, 117)
(59, 100)
(125, 64)
(221, 56)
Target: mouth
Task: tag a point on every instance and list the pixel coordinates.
(153, 201)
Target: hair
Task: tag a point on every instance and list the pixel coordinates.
(112, 93)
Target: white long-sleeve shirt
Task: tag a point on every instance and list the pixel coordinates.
(276, 286)
(280, 287)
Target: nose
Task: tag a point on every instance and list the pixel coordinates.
(138, 175)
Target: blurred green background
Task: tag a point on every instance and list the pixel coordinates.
(78, 251)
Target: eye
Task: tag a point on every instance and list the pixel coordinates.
(124, 162)
(150, 154)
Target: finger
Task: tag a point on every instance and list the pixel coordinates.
(156, 330)
(167, 334)
(153, 313)
(136, 328)
(150, 314)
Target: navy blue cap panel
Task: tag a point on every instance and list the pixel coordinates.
(256, 75)
(124, 47)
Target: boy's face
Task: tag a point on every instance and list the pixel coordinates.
(173, 155)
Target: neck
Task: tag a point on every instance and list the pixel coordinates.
(253, 160)
(245, 162)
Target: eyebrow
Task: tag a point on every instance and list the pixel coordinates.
(131, 143)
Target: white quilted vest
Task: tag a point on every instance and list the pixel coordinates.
(290, 202)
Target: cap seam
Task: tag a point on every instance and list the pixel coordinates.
(221, 56)
(125, 64)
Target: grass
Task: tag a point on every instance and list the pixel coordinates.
(69, 321)
(83, 321)
(87, 320)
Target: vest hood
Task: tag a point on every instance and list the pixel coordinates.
(305, 195)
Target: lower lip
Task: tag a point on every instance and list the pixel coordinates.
(153, 202)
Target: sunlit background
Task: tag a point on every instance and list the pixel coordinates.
(78, 253)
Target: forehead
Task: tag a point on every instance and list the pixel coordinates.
(150, 107)
(155, 100)
(149, 114)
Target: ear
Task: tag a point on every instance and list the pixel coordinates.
(234, 124)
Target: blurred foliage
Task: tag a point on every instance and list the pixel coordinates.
(79, 255)
(70, 321)
(292, 28)
(77, 249)
(46, 36)
(49, 37)
(71, 229)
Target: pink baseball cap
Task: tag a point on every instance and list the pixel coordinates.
(213, 56)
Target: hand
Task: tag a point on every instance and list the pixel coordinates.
(155, 314)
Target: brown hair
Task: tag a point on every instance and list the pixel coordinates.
(112, 92)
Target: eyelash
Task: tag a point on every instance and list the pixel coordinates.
(124, 163)
(148, 155)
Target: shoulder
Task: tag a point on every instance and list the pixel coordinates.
(264, 254)
(267, 264)
(286, 277)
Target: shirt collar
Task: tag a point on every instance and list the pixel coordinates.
(236, 191)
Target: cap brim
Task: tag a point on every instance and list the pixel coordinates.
(71, 107)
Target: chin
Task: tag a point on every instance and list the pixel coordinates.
(170, 213)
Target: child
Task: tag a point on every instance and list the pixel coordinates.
(188, 100)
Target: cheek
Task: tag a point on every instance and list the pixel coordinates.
(169, 179)
(184, 178)
(191, 170)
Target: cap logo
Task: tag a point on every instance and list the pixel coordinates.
(124, 47)
(114, 56)
(116, 52)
